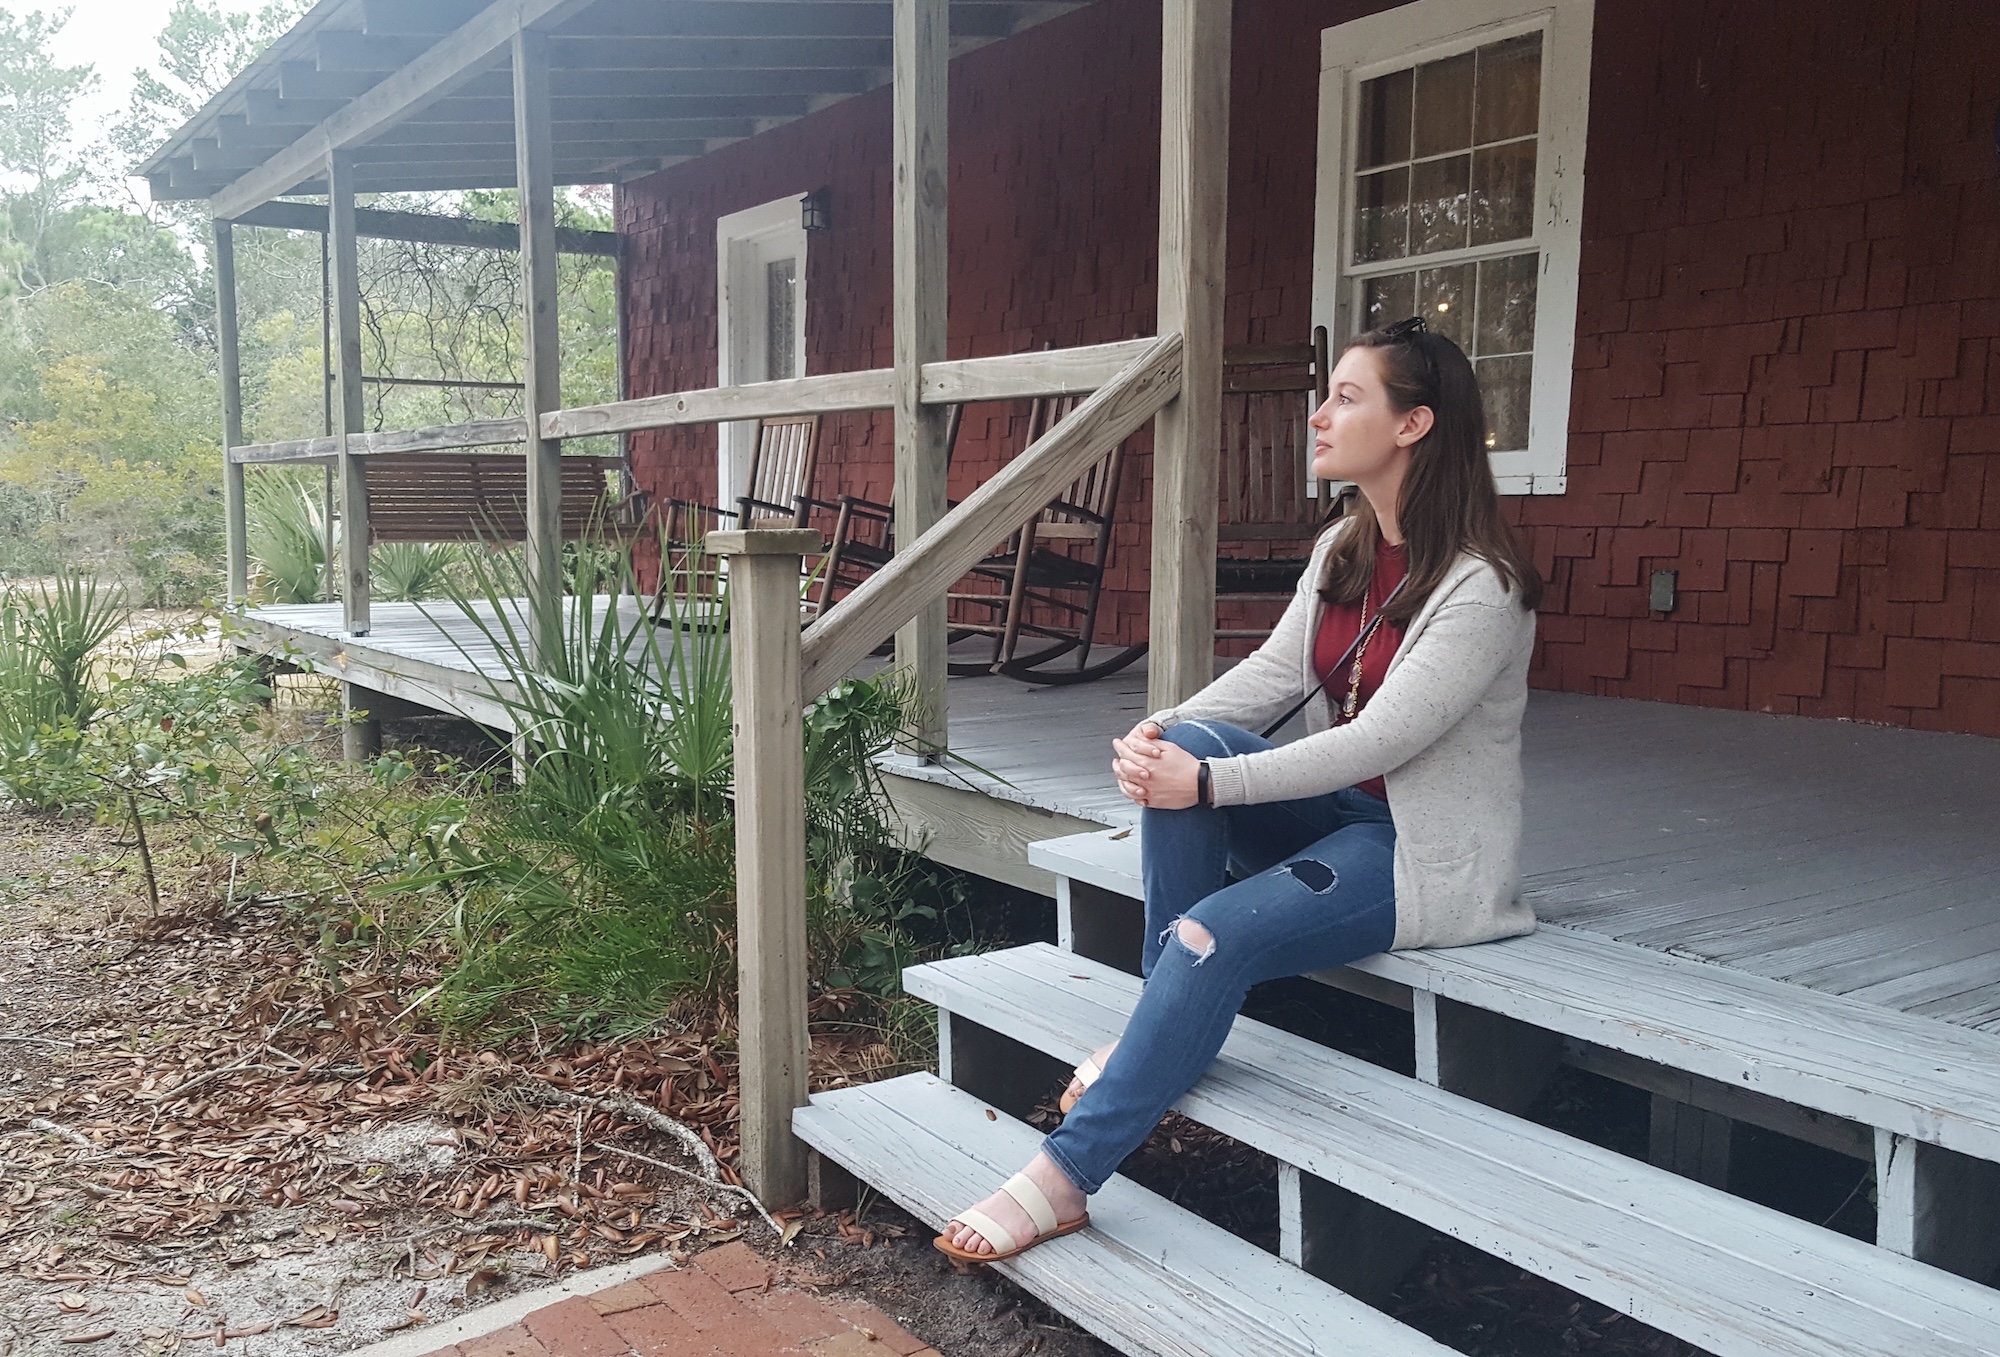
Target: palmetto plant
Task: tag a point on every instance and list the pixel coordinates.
(50, 636)
(408, 571)
(605, 892)
(287, 538)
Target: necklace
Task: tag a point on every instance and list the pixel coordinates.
(1353, 702)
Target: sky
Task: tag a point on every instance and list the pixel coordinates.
(115, 36)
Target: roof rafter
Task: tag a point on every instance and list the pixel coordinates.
(462, 54)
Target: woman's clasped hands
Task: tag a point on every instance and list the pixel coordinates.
(1152, 772)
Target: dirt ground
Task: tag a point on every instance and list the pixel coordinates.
(199, 1142)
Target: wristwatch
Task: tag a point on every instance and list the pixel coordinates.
(1204, 794)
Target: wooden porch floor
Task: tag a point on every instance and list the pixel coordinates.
(1850, 859)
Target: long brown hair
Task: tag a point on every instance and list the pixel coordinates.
(1449, 505)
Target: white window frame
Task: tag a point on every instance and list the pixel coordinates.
(1426, 30)
(743, 241)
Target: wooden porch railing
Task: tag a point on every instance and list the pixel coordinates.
(775, 672)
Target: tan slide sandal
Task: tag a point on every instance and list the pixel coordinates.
(1086, 1074)
(1032, 1200)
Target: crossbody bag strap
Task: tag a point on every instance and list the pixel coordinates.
(1346, 658)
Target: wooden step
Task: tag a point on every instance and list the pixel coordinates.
(1735, 1278)
(1931, 1081)
(1147, 1276)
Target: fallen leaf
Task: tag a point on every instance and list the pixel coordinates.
(195, 1298)
(72, 1302)
(94, 1336)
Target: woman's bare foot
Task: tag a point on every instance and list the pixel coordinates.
(1076, 1086)
(1066, 1199)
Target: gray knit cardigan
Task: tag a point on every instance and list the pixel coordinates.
(1444, 730)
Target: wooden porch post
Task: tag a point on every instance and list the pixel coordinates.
(235, 517)
(534, 151)
(772, 1042)
(349, 408)
(1194, 184)
(361, 736)
(921, 58)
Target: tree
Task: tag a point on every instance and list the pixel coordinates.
(201, 50)
(37, 160)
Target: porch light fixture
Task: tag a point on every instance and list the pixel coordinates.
(816, 210)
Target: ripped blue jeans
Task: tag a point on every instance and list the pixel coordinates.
(1283, 888)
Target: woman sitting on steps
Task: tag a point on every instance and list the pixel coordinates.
(1395, 822)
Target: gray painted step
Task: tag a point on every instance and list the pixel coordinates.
(1147, 1277)
(1917, 1076)
(1737, 1279)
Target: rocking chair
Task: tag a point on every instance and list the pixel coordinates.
(782, 466)
(1050, 576)
(1269, 391)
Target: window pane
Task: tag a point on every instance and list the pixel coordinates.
(1510, 89)
(1438, 204)
(1504, 382)
(781, 316)
(1385, 120)
(1507, 304)
(1444, 105)
(1382, 215)
(1503, 192)
(1444, 299)
(1386, 300)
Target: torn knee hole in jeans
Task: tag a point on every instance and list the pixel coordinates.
(1316, 877)
(1194, 939)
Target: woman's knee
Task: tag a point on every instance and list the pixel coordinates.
(1191, 937)
(1213, 739)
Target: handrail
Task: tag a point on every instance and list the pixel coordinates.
(868, 390)
(1015, 376)
(846, 632)
(479, 433)
(1007, 376)
(1010, 376)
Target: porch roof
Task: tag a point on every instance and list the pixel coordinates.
(420, 92)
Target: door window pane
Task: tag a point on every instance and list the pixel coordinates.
(781, 312)
(1444, 105)
(1503, 192)
(1509, 101)
(1382, 216)
(1385, 120)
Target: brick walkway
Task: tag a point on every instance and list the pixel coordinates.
(722, 1306)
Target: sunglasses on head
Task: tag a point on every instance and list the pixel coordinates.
(1412, 332)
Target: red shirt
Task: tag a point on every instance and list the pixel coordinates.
(1341, 623)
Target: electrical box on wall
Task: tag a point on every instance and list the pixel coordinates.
(1665, 586)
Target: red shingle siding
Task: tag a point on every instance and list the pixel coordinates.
(1787, 370)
